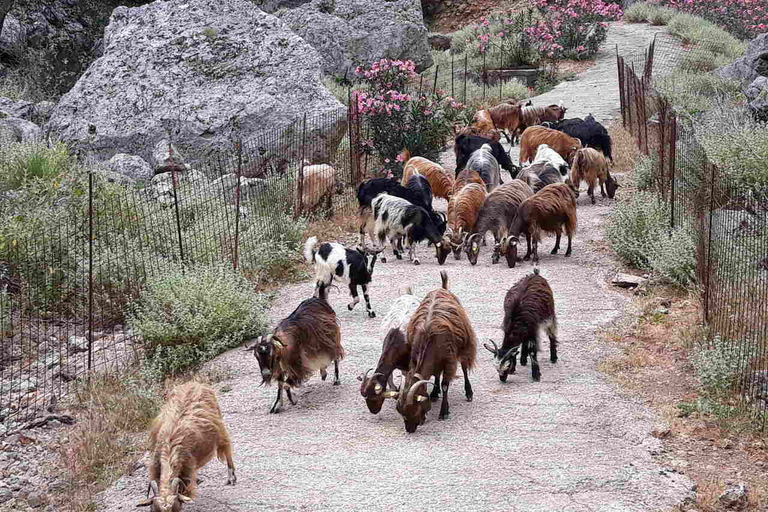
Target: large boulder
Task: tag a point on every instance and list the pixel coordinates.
(348, 33)
(23, 130)
(754, 63)
(757, 95)
(131, 166)
(199, 72)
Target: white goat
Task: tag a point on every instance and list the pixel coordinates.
(545, 154)
(485, 164)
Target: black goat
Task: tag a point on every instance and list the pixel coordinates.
(591, 133)
(465, 145)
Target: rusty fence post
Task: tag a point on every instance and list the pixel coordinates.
(239, 146)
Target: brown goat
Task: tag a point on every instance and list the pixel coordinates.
(319, 184)
(463, 209)
(504, 116)
(440, 335)
(466, 177)
(551, 209)
(529, 307)
(186, 434)
(305, 341)
(591, 166)
(533, 116)
(496, 215)
(475, 131)
(440, 181)
(565, 145)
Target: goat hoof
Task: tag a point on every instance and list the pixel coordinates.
(503, 378)
(444, 416)
(526, 258)
(553, 360)
(568, 254)
(337, 382)
(231, 481)
(554, 251)
(274, 410)
(383, 259)
(372, 314)
(469, 398)
(537, 376)
(415, 262)
(399, 256)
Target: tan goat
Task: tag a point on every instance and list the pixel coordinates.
(319, 184)
(440, 181)
(188, 432)
(463, 210)
(591, 166)
(565, 145)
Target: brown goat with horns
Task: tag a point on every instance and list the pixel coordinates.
(186, 434)
(462, 214)
(565, 145)
(441, 335)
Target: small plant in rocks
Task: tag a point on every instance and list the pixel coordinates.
(717, 365)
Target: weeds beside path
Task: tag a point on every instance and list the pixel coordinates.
(571, 442)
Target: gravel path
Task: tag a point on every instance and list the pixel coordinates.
(571, 442)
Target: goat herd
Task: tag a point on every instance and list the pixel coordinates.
(424, 338)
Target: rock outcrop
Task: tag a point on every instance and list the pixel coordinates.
(752, 71)
(199, 72)
(348, 33)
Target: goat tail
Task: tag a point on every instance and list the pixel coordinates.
(309, 249)
(406, 155)
(444, 279)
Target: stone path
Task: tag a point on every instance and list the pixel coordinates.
(569, 443)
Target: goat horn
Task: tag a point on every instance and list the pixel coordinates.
(175, 483)
(378, 388)
(412, 391)
(146, 503)
(363, 378)
(472, 237)
(495, 349)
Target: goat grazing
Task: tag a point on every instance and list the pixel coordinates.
(394, 217)
(591, 133)
(546, 154)
(529, 307)
(465, 145)
(440, 335)
(590, 165)
(440, 181)
(395, 353)
(334, 261)
(188, 432)
(534, 136)
(553, 208)
(319, 183)
(504, 116)
(462, 215)
(496, 215)
(306, 340)
(483, 162)
(466, 177)
(539, 175)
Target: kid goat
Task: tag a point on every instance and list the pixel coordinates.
(349, 266)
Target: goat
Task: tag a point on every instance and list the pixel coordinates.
(546, 154)
(440, 181)
(532, 137)
(465, 145)
(591, 133)
(533, 116)
(466, 177)
(441, 335)
(496, 215)
(394, 217)
(539, 175)
(333, 260)
(462, 215)
(186, 434)
(418, 184)
(319, 183)
(483, 162)
(473, 130)
(590, 165)
(306, 340)
(395, 353)
(504, 116)
(553, 208)
(529, 307)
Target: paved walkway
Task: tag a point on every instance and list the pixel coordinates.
(570, 443)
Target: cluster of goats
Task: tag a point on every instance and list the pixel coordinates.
(424, 338)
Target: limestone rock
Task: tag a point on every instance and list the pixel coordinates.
(21, 109)
(131, 166)
(195, 71)
(627, 281)
(166, 157)
(757, 95)
(24, 131)
(754, 63)
(348, 33)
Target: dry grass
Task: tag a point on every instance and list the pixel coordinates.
(113, 414)
(625, 151)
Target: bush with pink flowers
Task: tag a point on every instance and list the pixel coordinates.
(399, 118)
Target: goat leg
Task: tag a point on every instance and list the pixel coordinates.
(412, 251)
(290, 396)
(591, 192)
(557, 243)
(523, 354)
(602, 189)
(435, 395)
(552, 333)
(231, 477)
(535, 245)
(336, 380)
(371, 312)
(397, 247)
(279, 400)
(467, 385)
(355, 298)
(323, 373)
(391, 382)
(444, 409)
(535, 372)
(568, 250)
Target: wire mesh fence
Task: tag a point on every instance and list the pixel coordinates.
(728, 220)
(65, 286)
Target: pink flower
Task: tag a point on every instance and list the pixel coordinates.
(399, 157)
(386, 160)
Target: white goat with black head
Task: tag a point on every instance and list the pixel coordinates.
(394, 217)
(350, 266)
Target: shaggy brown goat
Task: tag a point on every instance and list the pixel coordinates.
(591, 166)
(440, 181)
(319, 183)
(549, 211)
(529, 307)
(532, 116)
(474, 131)
(186, 434)
(305, 341)
(496, 215)
(565, 145)
(440, 335)
(462, 215)
(466, 177)
(504, 116)
(539, 175)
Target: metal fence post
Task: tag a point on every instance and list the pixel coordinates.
(707, 289)
(239, 173)
(176, 201)
(485, 76)
(466, 57)
(301, 166)
(453, 76)
(434, 85)
(90, 273)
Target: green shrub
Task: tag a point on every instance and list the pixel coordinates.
(192, 314)
(642, 174)
(717, 366)
(339, 90)
(660, 15)
(636, 226)
(510, 89)
(695, 92)
(24, 163)
(698, 31)
(639, 12)
(673, 257)
(701, 61)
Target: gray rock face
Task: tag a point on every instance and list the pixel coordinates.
(24, 131)
(21, 109)
(130, 166)
(193, 68)
(348, 33)
(757, 95)
(754, 63)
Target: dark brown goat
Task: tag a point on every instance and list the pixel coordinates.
(504, 116)
(441, 336)
(551, 209)
(305, 341)
(529, 307)
(532, 116)
(395, 355)
(462, 214)
(496, 215)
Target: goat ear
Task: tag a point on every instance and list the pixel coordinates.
(145, 503)
(421, 398)
(390, 394)
(185, 499)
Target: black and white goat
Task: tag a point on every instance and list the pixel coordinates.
(394, 217)
(350, 266)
